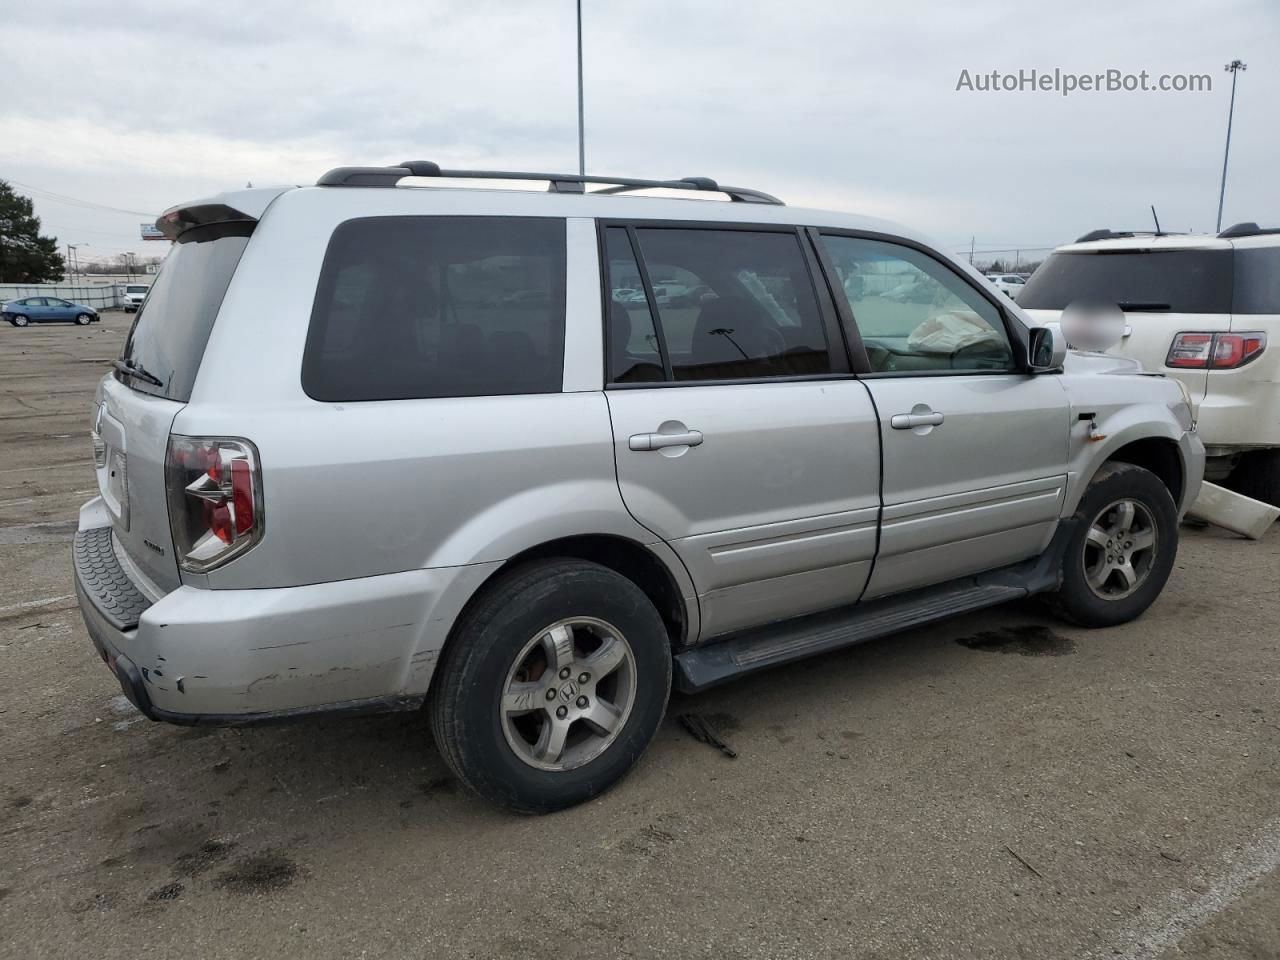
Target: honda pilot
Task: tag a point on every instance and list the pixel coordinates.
(529, 459)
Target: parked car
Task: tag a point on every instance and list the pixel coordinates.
(1007, 283)
(534, 518)
(1204, 310)
(134, 294)
(47, 310)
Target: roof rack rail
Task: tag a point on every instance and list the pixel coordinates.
(1246, 229)
(1104, 234)
(559, 182)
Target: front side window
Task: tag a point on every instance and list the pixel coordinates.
(914, 314)
(417, 307)
(731, 304)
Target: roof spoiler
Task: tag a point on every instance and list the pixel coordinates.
(1246, 229)
(558, 182)
(204, 221)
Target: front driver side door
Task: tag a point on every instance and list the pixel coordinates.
(974, 447)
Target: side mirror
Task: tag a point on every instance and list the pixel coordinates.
(1046, 351)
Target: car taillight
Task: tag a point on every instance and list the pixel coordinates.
(1236, 349)
(215, 499)
(1215, 351)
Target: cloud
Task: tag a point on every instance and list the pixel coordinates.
(847, 105)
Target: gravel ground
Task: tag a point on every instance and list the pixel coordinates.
(1001, 785)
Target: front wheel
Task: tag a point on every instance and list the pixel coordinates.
(1122, 549)
(83, 320)
(18, 320)
(553, 684)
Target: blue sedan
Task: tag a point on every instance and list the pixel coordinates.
(47, 310)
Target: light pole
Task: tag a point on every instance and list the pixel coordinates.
(1233, 68)
(73, 249)
(582, 148)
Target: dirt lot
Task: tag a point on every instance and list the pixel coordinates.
(998, 786)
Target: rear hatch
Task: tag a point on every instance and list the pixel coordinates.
(152, 382)
(1163, 290)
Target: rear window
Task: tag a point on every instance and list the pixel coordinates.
(1178, 281)
(418, 307)
(172, 327)
(1257, 280)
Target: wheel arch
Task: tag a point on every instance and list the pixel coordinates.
(661, 578)
(1160, 455)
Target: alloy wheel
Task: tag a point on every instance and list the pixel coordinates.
(569, 693)
(1120, 549)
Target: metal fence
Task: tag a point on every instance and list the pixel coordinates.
(100, 296)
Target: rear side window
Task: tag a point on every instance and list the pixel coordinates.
(1179, 281)
(1257, 280)
(172, 327)
(418, 307)
(731, 305)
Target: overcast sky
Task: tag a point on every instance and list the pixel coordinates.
(849, 105)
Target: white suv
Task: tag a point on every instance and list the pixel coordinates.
(370, 446)
(1202, 309)
(1007, 283)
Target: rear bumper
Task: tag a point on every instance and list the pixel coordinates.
(244, 656)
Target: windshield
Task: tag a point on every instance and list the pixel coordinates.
(135, 289)
(1178, 281)
(172, 326)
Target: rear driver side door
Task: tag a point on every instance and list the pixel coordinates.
(974, 446)
(741, 437)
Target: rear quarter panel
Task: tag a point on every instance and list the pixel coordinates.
(367, 488)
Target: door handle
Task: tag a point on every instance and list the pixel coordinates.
(656, 441)
(906, 421)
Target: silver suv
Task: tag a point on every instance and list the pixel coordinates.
(371, 446)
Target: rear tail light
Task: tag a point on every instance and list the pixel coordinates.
(1215, 351)
(215, 499)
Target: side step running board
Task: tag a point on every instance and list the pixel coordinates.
(776, 643)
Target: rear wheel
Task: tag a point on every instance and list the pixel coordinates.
(18, 320)
(1122, 550)
(554, 683)
(1257, 475)
(83, 319)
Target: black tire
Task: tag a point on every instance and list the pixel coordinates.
(1257, 475)
(467, 717)
(83, 320)
(1076, 600)
(18, 320)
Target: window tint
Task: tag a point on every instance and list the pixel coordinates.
(734, 304)
(635, 355)
(1180, 281)
(412, 307)
(171, 329)
(914, 314)
(1257, 280)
